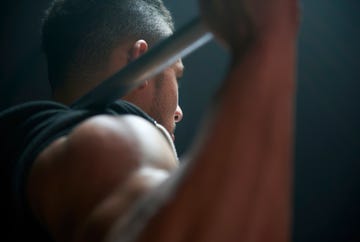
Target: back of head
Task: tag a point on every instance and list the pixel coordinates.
(79, 35)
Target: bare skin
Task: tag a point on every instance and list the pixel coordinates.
(235, 186)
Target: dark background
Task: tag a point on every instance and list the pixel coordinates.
(327, 152)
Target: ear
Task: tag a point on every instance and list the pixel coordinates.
(139, 48)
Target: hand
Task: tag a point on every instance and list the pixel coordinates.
(238, 21)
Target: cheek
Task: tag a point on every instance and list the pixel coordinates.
(169, 102)
(170, 92)
(174, 96)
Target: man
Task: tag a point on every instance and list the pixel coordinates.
(86, 176)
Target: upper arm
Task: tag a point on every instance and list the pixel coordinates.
(84, 181)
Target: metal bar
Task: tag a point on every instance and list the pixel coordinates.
(181, 43)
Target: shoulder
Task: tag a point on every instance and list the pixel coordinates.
(123, 136)
(73, 176)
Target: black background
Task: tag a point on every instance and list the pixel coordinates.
(327, 151)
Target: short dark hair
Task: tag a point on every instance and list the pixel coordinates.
(78, 35)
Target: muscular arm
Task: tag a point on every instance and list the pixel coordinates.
(83, 181)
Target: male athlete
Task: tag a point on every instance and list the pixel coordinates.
(113, 175)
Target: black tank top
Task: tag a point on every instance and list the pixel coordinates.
(25, 130)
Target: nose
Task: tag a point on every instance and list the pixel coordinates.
(178, 114)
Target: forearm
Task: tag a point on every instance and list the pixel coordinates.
(244, 166)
